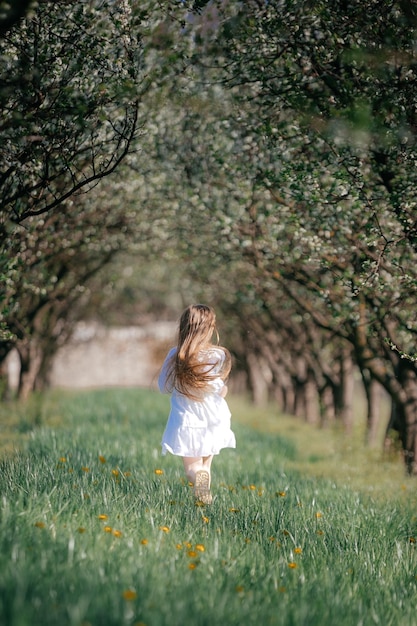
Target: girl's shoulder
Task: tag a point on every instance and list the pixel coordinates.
(170, 355)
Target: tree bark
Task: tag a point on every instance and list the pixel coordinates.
(30, 353)
(404, 414)
(373, 405)
(347, 383)
(5, 391)
(327, 406)
(259, 378)
(311, 400)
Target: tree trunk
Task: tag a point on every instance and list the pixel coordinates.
(347, 381)
(404, 414)
(299, 378)
(289, 398)
(30, 354)
(259, 378)
(306, 396)
(373, 405)
(5, 391)
(327, 406)
(311, 400)
(283, 390)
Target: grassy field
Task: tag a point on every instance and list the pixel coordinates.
(98, 529)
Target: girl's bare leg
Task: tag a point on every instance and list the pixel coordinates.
(193, 464)
(197, 470)
(207, 463)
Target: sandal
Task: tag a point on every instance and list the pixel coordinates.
(202, 487)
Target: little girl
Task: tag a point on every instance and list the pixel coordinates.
(194, 373)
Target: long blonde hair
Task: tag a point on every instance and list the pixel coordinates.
(188, 372)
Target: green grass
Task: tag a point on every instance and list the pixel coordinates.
(98, 529)
(330, 453)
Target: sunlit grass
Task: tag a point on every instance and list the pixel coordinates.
(98, 528)
(333, 454)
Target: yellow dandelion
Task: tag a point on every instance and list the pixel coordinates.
(102, 459)
(252, 487)
(260, 492)
(129, 594)
(117, 533)
(272, 539)
(103, 516)
(247, 540)
(205, 519)
(281, 494)
(200, 547)
(144, 542)
(40, 524)
(199, 503)
(115, 472)
(319, 532)
(298, 550)
(292, 565)
(85, 469)
(188, 545)
(81, 530)
(164, 529)
(192, 565)
(319, 515)
(108, 529)
(179, 546)
(62, 459)
(192, 554)
(233, 510)
(159, 472)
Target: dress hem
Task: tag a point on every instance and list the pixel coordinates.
(188, 453)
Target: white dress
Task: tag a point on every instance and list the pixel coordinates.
(197, 428)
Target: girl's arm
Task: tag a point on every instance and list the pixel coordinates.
(163, 376)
